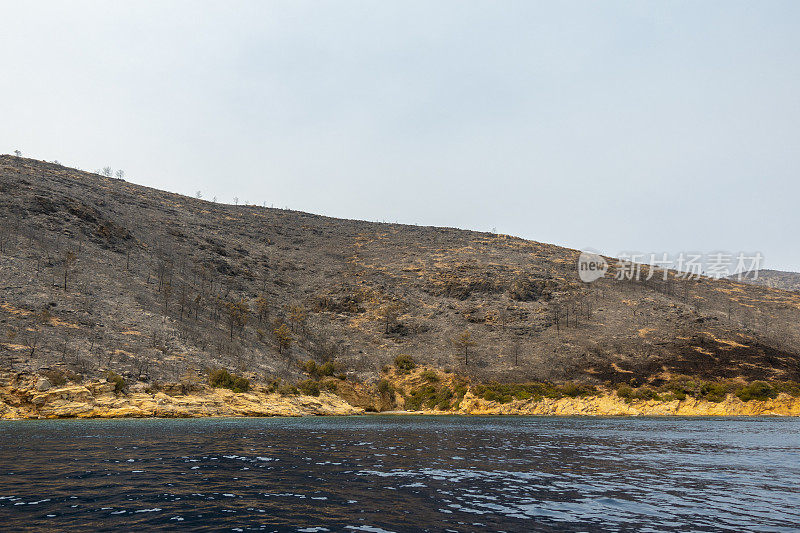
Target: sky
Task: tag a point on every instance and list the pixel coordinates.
(615, 126)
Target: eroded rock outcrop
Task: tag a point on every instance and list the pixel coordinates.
(613, 405)
(99, 400)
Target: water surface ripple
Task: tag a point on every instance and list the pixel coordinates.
(389, 473)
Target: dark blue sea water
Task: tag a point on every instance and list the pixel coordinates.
(384, 473)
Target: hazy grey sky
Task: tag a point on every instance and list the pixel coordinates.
(651, 126)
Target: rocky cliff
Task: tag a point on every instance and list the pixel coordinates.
(27, 397)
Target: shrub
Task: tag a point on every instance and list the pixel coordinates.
(625, 391)
(221, 378)
(272, 385)
(792, 388)
(430, 376)
(240, 384)
(413, 402)
(117, 380)
(574, 390)
(326, 369)
(646, 393)
(405, 363)
(287, 390)
(713, 392)
(424, 396)
(679, 388)
(309, 367)
(678, 395)
(309, 387)
(384, 388)
(317, 371)
(526, 289)
(757, 390)
(460, 390)
(443, 398)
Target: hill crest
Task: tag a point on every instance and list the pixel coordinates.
(104, 275)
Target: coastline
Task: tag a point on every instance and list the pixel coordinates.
(99, 400)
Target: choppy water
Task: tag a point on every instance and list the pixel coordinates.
(383, 473)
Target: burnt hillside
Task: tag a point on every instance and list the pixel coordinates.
(99, 274)
(776, 279)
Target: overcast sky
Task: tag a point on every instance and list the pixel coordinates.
(669, 126)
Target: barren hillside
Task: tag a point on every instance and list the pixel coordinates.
(776, 279)
(98, 274)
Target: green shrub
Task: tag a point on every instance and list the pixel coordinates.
(221, 378)
(646, 393)
(678, 388)
(414, 401)
(272, 385)
(327, 369)
(460, 390)
(625, 391)
(425, 396)
(384, 388)
(331, 386)
(309, 387)
(792, 388)
(430, 376)
(240, 384)
(628, 393)
(117, 380)
(443, 398)
(574, 390)
(309, 367)
(757, 390)
(287, 390)
(713, 392)
(405, 363)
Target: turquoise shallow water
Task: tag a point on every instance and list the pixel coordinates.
(385, 473)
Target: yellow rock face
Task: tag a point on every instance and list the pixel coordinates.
(612, 405)
(98, 400)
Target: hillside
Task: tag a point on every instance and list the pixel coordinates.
(104, 275)
(776, 279)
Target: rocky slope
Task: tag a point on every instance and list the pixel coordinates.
(27, 397)
(100, 275)
(775, 279)
(611, 405)
(24, 397)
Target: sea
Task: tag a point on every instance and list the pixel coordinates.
(392, 473)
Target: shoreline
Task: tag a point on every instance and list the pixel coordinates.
(98, 400)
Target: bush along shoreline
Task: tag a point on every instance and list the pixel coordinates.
(404, 387)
